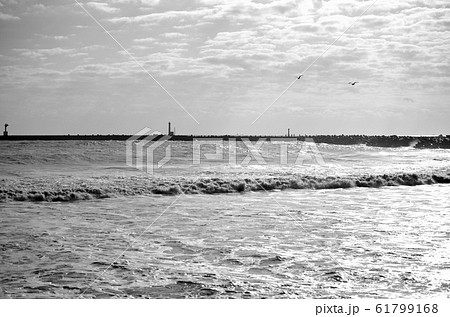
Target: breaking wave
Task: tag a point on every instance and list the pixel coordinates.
(69, 189)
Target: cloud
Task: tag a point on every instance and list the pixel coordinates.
(173, 35)
(155, 18)
(44, 52)
(8, 17)
(145, 40)
(104, 70)
(138, 2)
(53, 37)
(101, 6)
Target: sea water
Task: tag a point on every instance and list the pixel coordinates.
(76, 221)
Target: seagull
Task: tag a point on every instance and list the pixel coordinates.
(353, 83)
(299, 77)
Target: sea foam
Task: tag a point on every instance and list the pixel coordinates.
(70, 189)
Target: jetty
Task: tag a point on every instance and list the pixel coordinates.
(440, 141)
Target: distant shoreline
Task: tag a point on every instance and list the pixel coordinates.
(441, 141)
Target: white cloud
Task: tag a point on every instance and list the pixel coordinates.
(8, 17)
(173, 35)
(145, 40)
(44, 52)
(101, 6)
(155, 18)
(138, 2)
(53, 37)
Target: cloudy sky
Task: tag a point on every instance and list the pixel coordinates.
(225, 62)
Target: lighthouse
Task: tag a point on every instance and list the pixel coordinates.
(169, 131)
(5, 133)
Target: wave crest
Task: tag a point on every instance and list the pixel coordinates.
(98, 188)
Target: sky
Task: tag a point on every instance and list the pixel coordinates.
(217, 66)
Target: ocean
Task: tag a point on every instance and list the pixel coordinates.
(341, 222)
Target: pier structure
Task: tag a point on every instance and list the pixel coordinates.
(169, 131)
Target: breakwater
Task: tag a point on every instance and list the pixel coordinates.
(441, 141)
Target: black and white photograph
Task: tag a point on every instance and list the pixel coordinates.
(226, 151)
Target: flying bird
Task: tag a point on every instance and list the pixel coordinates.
(353, 83)
(299, 77)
